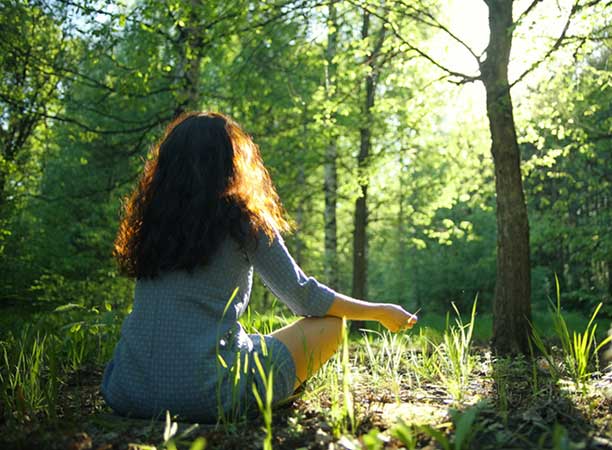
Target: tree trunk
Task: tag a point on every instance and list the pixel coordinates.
(330, 184)
(301, 179)
(360, 238)
(401, 239)
(190, 43)
(512, 303)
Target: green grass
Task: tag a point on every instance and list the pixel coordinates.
(29, 380)
(579, 348)
(436, 384)
(483, 327)
(456, 362)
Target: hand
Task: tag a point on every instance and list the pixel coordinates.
(395, 318)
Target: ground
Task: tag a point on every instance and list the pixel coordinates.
(505, 403)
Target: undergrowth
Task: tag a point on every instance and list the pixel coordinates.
(380, 390)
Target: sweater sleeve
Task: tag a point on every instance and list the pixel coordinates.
(304, 295)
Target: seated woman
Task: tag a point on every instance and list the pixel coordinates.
(204, 216)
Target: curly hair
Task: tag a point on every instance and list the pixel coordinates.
(204, 180)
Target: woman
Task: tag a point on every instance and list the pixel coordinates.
(203, 216)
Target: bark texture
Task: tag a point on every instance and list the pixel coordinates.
(512, 303)
(191, 48)
(360, 238)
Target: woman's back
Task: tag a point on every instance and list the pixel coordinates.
(167, 355)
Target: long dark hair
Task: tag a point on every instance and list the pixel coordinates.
(203, 180)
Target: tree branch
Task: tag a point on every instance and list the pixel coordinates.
(576, 7)
(527, 11)
(435, 23)
(463, 78)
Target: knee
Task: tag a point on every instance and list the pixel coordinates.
(334, 323)
(333, 327)
(328, 326)
(328, 323)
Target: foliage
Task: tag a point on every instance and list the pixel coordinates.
(26, 390)
(91, 88)
(579, 349)
(456, 363)
(38, 376)
(567, 168)
(123, 73)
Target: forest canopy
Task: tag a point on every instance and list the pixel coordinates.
(365, 112)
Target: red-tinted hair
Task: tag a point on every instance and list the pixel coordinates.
(203, 181)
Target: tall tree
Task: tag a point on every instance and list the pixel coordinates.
(512, 300)
(360, 238)
(29, 86)
(512, 304)
(330, 186)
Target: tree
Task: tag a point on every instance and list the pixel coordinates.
(360, 238)
(330, 185)
(512, 304)
(512, 301)
(569, 175)
(29, 86)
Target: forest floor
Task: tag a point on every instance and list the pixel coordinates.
(504, 404)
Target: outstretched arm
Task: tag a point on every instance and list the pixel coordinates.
(306, 296)
(393, 317)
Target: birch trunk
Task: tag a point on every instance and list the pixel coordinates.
(330, 182)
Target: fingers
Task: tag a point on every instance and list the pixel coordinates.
(409, 323)
(397, 318)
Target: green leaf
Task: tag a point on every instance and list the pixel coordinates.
(68, 307)
(464, 426)
(437, 435)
